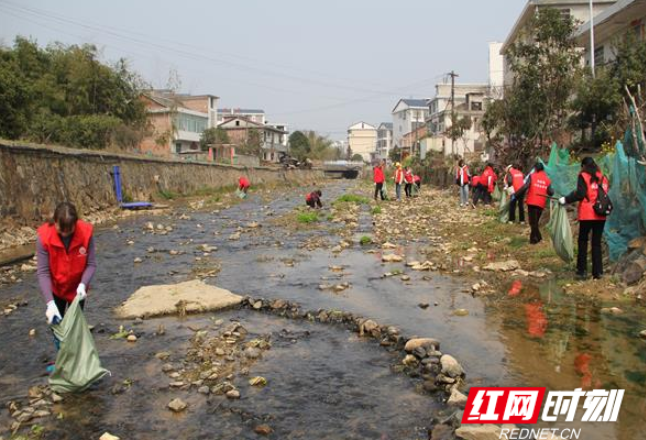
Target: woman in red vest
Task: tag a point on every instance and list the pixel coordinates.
(399, 179)
(514, 181)
(586, 194)
(408, 177)
(462, 179)
(243, 185)
(313, 199)
(379, 178)
(488, 180)
(66, 260)
(538, 188)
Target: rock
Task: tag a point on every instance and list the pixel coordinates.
(258, 381)
(428, 344)
(336, 249)
(392, 258)
(634, 271)
(388, 245)
(405, 278)
(41, 413)
(150, 226)
(423, 305)
(56, 398)
(457, 399)
(642, 334)
(177, 405)
(478, 432)
(233, 394)
(234, 236)
(637, 243)
(204, 390)
(162, 355)
(131, 338)
(27, 268)
(504, 266)
(263, 430)
(369, 325)
(150, 250)
(137, 260)
(32, 333)
(450, 366)
(441, 378)
(612, 311)
(461, 312)
(410, 360)
(252, 353)
(442, 432)
(108, 436)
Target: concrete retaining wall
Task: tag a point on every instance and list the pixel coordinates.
(34, 178)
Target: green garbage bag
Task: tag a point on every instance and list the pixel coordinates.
(77, 363)
(241, 194)
(497, 194)
(503, 209)
(561, 232)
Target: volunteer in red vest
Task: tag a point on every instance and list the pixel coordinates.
(537, 188)
(399, 180)
(462, 179)
(313, 199)
(586, 193)
(243, 184)
(477, 189)
(408, 178)
(488, 181)
(417, 180)
(379, 178)
(514, 181)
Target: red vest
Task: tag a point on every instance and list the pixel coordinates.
(463, 175)
(417, 179)
(586, 206)
(408, 176)
(475, 181)
(537, 194)
(489, 183)
(244, 183)
(378, 175)
(399, 176)
(517, 178)
(66, 268)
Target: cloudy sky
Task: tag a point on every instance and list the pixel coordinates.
(313, 64)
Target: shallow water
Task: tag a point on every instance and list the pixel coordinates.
(329, 385)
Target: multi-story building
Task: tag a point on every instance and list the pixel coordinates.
(177, 122)
(240, 129)
(470, 102)
(257, 116)
(496, 71)
(577, 9)
(285, 129)
(362, 139)
(408, 115)
(616, 21)
(384, 139)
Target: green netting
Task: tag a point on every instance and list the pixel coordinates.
(627, 189)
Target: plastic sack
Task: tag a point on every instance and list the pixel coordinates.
(497, 194)
(561, 232)
(503, 209)
(77, 364)
(241, 194)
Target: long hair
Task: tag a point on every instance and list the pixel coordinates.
(589, 166)
(65, 216)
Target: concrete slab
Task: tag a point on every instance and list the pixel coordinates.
(175, 299)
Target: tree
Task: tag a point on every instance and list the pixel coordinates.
(535, 108)
(357, 158)
(213, 136)
(320, 147)
(253, 144)
(299, 145)
(458, 127)
(395, 154)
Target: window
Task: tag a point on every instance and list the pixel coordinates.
(566, 14)
(476, 106)
(178, 147)
(599, 56)
(237, 123)
(404, 116)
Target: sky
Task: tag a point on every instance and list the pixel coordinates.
(313, 64)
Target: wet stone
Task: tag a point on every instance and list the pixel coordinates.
(233, 394)
(642, 334)
(177, 405)
(450, 366)
(204, 390)
(263, 430)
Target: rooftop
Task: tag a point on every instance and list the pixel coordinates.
(611, 20)
(239, 110)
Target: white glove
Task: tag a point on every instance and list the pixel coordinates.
(562, 201)
(81, 293)
(52, 313)
(510, 190)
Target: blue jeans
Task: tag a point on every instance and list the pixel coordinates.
(398, 190)
(464, 195)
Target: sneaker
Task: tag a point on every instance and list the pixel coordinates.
(510, 223)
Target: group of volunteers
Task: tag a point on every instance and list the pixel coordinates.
(403, 176)
(533, 190)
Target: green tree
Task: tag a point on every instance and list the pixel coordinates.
(320, 147)
(535, 108)
(395, 155)
(213, 136)
(299, 145)
(357, 158)
(253, 143)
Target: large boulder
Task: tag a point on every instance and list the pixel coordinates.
(425, 343)
(451, 367)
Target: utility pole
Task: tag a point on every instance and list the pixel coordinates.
(592, 38)
(453, 75)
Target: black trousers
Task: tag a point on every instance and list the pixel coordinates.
(585, 227)
(534, 213)
(408, 188)
(486, 196)
(379, 190)
(478, 194)
(313, 204)
(520, 202)
(63, 305)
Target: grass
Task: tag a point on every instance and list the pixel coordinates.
(352, 198)
(167, 194)
(365, 240)
(376, 210)
(307, 217)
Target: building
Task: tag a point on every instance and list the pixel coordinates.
(412, 142)
(470, 102)
(496, 71)
(257, 116)
(384, 139)
(577, 9)
(240, 131)
(408, 115)
(362, 139)
(285, 129)
(625, 16)
(176, 122)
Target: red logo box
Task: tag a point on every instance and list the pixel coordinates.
(503, 405)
